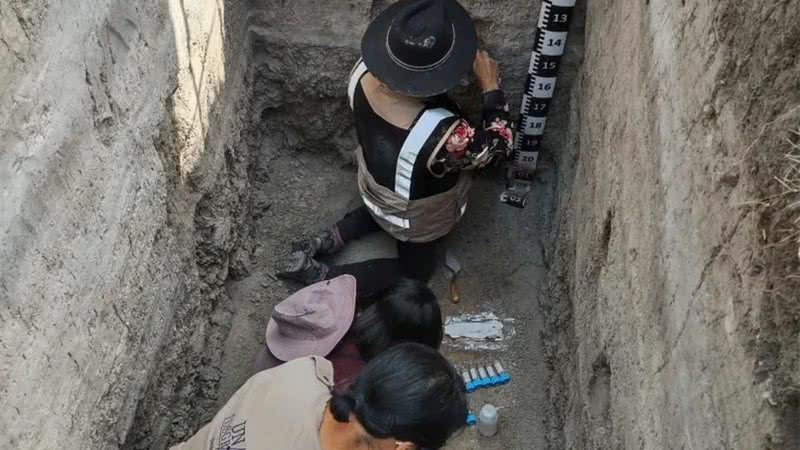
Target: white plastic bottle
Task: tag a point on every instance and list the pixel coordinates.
(487, 420)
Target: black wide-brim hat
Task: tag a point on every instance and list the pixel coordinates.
(421, 48)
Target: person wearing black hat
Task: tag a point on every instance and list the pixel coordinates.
(416, 150)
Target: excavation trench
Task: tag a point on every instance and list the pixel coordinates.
(159, 156)
(300, 177)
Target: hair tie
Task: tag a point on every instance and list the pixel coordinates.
(341, 406)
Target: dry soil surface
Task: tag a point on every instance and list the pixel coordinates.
(499, 247)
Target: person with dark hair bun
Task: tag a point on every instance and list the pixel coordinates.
(407, 398)
(323, 320)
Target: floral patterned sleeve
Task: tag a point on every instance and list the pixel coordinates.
(469, 147)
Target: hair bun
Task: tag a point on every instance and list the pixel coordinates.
(341, 407)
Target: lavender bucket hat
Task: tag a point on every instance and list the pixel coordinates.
(312, 320)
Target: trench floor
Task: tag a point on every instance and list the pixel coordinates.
(499, 247)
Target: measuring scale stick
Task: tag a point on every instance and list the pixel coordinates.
(549, 44)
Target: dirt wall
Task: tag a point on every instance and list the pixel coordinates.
(118, 123)
(673, 308)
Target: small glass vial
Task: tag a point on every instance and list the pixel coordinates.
(487, 421)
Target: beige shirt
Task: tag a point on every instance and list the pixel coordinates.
(277, 409)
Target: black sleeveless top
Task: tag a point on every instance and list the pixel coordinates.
(382, 142)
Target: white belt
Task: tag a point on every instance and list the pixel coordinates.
(394, 220)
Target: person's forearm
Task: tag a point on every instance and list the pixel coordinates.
(470, 148)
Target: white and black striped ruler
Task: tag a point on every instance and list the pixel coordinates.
(550, 42)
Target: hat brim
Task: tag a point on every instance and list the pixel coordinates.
(420, 84)
(344, 308)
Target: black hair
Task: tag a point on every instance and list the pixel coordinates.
(408, 312)
(410, 393)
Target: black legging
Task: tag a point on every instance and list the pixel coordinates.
(415, 260)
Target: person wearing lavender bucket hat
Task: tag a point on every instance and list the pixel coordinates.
(312, 320)
(323, 320)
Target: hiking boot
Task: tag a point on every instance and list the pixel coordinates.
(325, 243)
(303, 268)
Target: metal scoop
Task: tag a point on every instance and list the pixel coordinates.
(455, 267)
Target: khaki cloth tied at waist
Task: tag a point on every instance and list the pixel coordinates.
(422, 220)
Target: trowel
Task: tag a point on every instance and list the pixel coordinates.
(452, 263)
